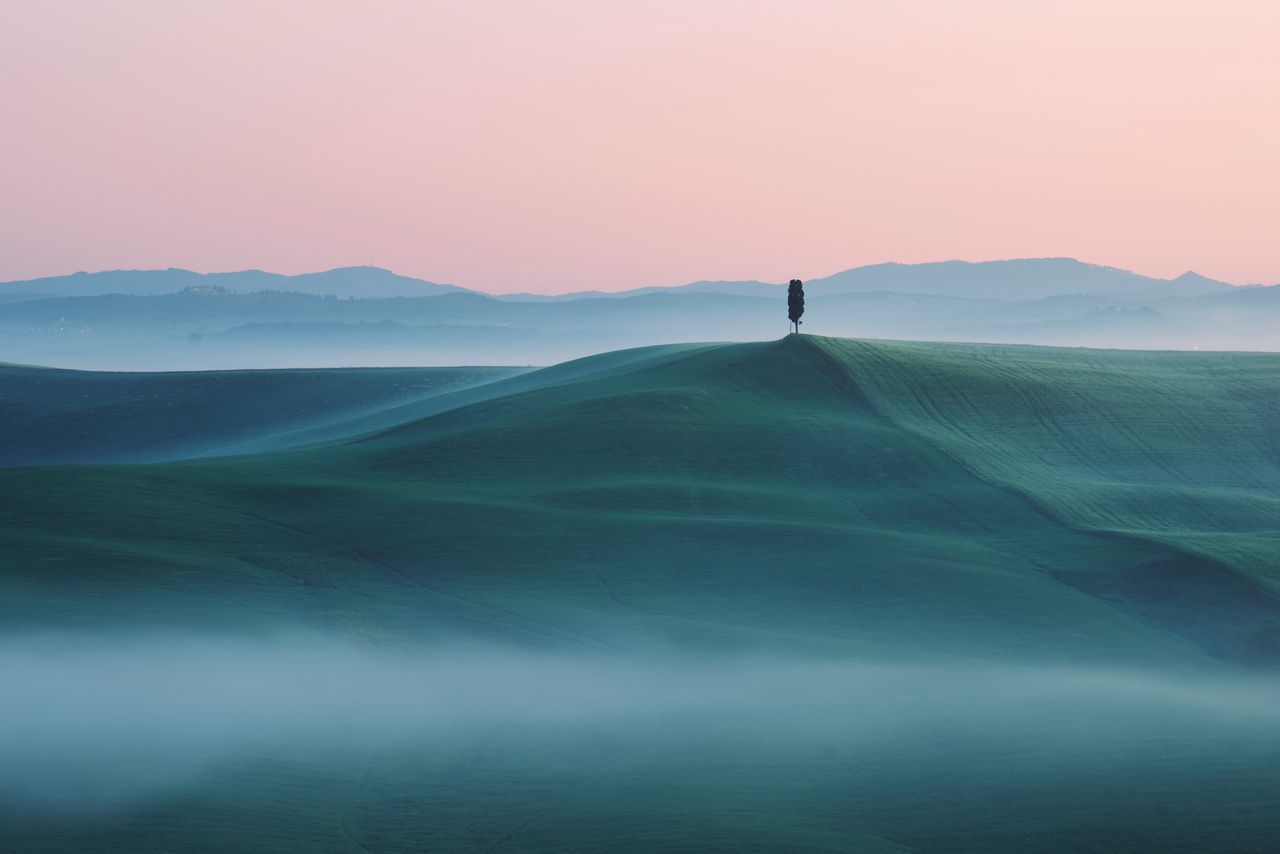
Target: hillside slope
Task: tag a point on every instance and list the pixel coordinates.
(1177, 447)
(49, 415)
(809, 491)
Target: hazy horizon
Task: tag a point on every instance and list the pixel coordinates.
(613, 287)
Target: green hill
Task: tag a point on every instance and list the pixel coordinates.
(845, 484)
(49, 415)
(875, 501)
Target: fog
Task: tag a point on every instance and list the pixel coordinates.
(91, 724)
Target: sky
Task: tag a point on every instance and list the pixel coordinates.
(568, 144)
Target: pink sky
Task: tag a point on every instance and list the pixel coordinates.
(556, 146)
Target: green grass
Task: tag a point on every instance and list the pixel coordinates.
(810, 496)
(809, 493)
(1179, 447)
(49, 415)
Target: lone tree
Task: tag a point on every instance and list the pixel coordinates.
(795, 303)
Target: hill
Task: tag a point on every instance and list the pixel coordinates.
(874, 449)
(58, 416)
(959, 507)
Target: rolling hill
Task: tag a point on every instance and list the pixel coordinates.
(909, 504)
(734, 453)
(59, 416)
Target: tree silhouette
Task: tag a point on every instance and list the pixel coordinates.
(795, 303)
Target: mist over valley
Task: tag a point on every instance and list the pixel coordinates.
(177, 319)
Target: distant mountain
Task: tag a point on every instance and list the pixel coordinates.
(350, 282)
(1194, 282)
(1022, 279)
(746, 288)
(256, 319)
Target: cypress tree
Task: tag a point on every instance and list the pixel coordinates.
(795, 303)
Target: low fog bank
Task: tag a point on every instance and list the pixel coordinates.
(92, 723)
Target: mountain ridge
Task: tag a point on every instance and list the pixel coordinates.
(357, 281)
(380, 282)
(209, 324)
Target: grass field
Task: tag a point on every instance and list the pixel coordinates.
(49, 415)
(993, 514)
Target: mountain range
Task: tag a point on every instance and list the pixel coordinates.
(369, 316)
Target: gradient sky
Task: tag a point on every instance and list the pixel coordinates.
(555, 146)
